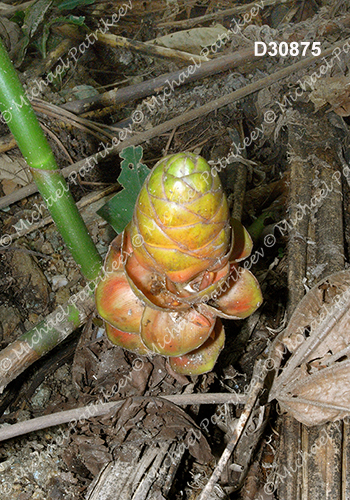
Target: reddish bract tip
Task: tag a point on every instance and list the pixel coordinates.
(176, 333)
(129, 341)
(203, 359)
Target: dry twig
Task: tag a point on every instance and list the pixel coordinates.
(148, 87)
(149, 49)
(258, 378)
(63, 417)
(239, 9)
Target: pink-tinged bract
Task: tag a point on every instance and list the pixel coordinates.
(202, 359)
(117, 303)
(240, 297)
(175, 333)
(129, 341)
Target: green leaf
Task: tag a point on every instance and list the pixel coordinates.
(34, 15)
(75, 20)
(71, 4)
(118, 210)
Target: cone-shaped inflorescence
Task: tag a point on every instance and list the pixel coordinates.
(174, 269)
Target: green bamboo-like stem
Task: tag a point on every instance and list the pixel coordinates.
(19, 115)
(30, 346)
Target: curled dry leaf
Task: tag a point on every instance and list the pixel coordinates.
(10, 32)
(193, 40)
(334, 90)
(141, 422)
(314, 384)
(14, 169)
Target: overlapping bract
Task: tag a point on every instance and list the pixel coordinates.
(174, 269)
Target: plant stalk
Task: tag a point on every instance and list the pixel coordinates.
(24, 125)
(35, 343)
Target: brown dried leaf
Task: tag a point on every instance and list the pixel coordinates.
(155, 420)
(14, 169)
(10, 32)
(94, 452)
(314, 385)
(334, 90)
(8, 186)
(192, 40)
(139, 422)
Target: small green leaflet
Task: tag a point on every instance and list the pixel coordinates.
(78, 21)
(72, 4)
(34, 15)
(118, 210)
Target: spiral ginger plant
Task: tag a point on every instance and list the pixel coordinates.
(173, 271)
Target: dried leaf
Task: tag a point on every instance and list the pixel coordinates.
(193, 40)
(139, 422)
(14, 169)
(8, 186)
(155, 420)
(314, 385)
(10, 33)
(334, 90)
